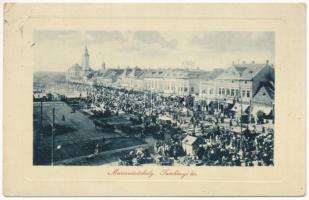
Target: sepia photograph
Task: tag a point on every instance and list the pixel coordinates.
(165, 99)
(183, 98)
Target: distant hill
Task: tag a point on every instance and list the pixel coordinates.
(48, 77)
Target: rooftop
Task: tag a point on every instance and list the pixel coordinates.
(174, 73)
(189, 139)
(242, 71)
(267, 87)
(75, 67)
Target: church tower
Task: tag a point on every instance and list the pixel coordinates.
(86, 59)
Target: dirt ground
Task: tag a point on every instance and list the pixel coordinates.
(75, 134)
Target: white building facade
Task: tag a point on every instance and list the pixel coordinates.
(172, 82)
(237, 82)
(81, 74)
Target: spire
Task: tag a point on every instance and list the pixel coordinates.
(86, 51)
(85, 59)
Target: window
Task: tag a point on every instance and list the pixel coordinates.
(210, 91)
(237, 92)
(227, 91)
(232, 81)
(223, 91)
(232, 92)
(203, 91)
(185, 89)
(245, 82)
(248, 93)
(244, 93)
(192, 89)
(219, 90)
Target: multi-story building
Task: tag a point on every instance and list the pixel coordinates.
(109, 77)
(153, 80)
(75, 74)
(263, 101)
(80, 74)
(242, 88)
(130, 78)
(238, 81)
(173, 81)
(239, 88)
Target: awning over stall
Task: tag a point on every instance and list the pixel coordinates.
(229, 101)
(237, 129)
(165, 118)
(265, 109)
(209, 102)
(237, 107)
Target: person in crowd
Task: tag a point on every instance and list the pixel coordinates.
(221, 145)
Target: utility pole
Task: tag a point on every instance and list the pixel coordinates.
(239, 93)
(53, 135)
(41, 122)
(240, 98)
(250, 109)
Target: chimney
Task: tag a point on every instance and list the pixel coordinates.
(103, 66)
(233, 62)
(267, 62)
(243, 62)
(253, 62)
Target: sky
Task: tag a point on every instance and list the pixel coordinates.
(59, 50)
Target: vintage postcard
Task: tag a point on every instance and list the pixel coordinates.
(144, 97)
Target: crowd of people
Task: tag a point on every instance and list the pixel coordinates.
(171, 118)
(135, 157)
